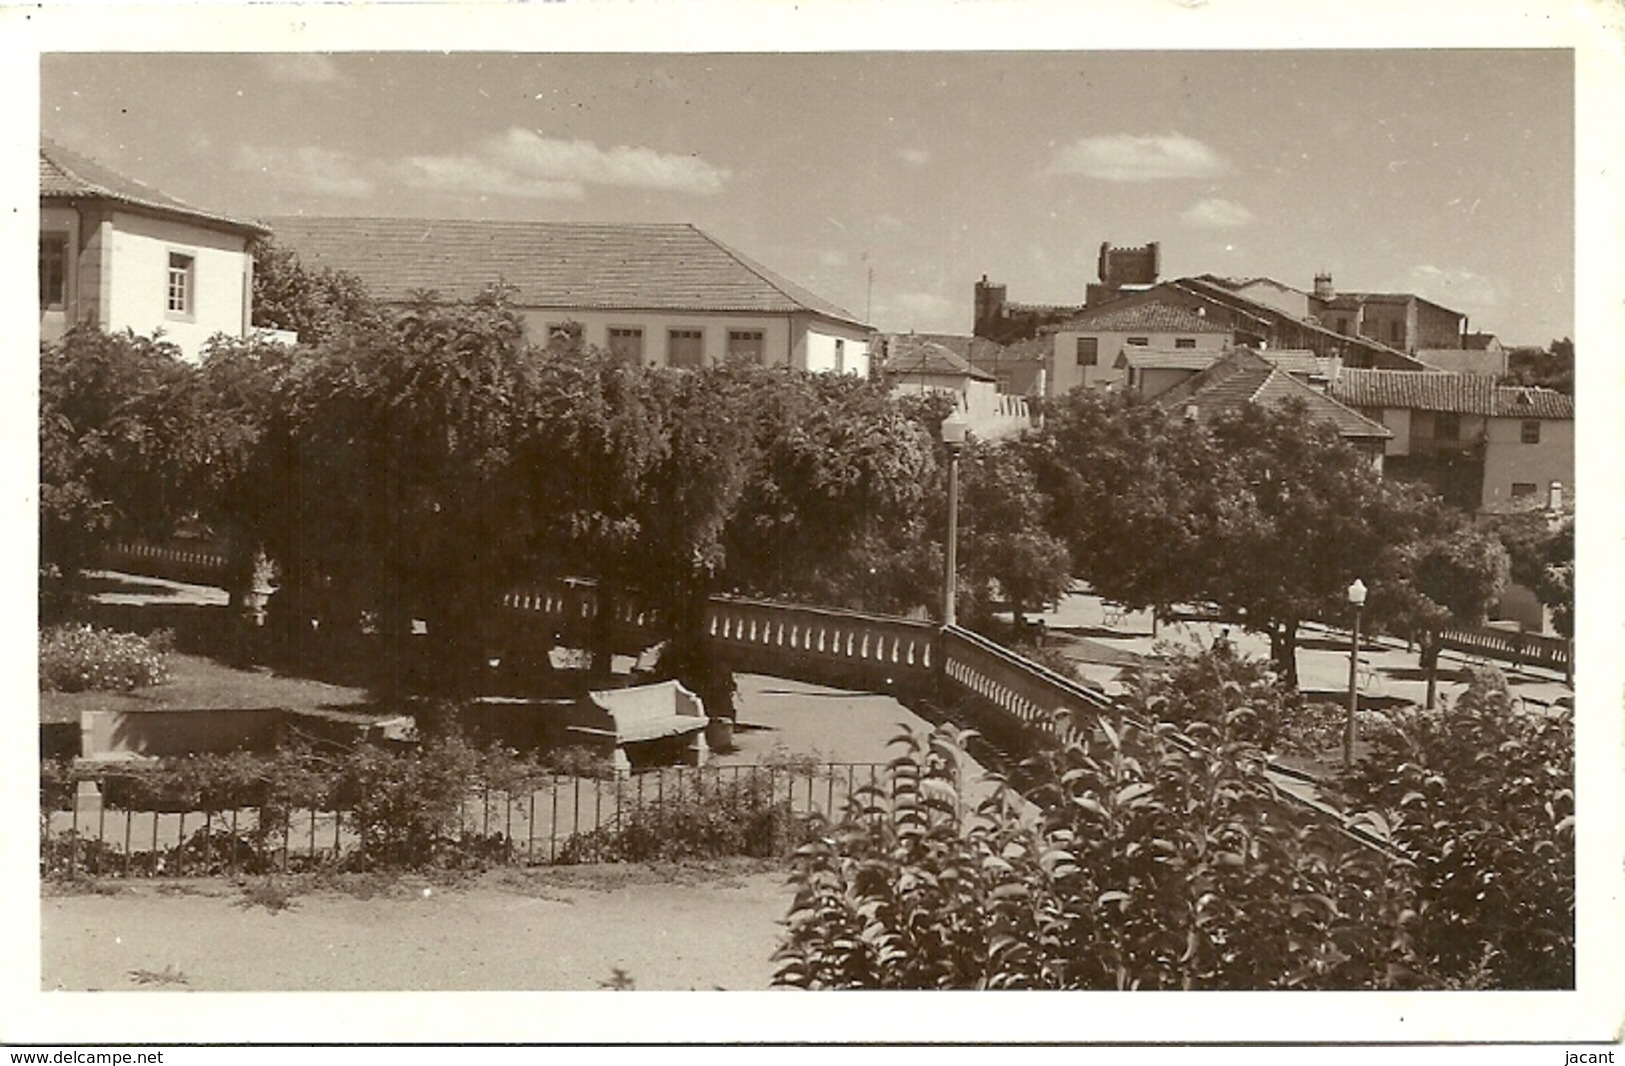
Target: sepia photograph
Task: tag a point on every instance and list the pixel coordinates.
(866, 511)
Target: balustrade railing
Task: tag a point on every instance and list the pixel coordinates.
(1026, 691)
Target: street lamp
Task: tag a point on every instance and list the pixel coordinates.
(953, 437)
(1357, 599)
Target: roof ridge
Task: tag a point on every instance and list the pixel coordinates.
(783, 285)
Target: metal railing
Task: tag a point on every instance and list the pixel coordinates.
(560, 818)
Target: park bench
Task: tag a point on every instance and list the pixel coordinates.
(640, 719)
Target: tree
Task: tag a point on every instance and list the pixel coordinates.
(392, 456)
(111, 445)
(833, 509)
(1006, 549)
(1551, 367)
(1542, 560)
(316, 304)
(1455, 577)
(1132, 494)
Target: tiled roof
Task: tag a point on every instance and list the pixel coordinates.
(972, 348)
(1138, 358)
(913, 354)
(1298, 361)
(1466, 394)
(67, 175)
(1478, 342)
(586, 265)
(1269, 316)
(1150, 316)
(1244, 377)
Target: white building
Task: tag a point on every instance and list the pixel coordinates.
(666, 294)
(117, 254)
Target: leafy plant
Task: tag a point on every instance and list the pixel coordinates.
(699, 819)
(1155, 859)
(80, 657)
(1481, 795)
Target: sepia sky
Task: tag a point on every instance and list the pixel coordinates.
(1446, 173)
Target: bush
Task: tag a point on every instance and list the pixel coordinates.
(1481, 794)
(1157, 860)
(1217, 687)
(698, 819)
(79, 658)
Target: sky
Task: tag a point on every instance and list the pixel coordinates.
(890, 182)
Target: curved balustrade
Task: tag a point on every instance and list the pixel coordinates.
(812, 644)
(1022, 689)
(186, 564)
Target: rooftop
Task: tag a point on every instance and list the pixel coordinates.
(908, 353)
(1148, 316)
(66, 175)
(566, 265)
(1147, 358)
(1244, 377)
(1467, 394)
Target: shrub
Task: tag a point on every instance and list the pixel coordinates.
(1156, 860)
(697, 819)
(1218, 687)
(1481, 794)
(79, 657)
(407, 807)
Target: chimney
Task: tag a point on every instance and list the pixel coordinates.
(1554, 499)
(1190, 412)
(1323, 286)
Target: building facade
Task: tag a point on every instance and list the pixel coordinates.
(663, 294)
(117, 254)
(1484, 447)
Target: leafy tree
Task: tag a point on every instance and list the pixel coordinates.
(1455, 578)
(1007, 551)
(1481, 795)
(1551, 367)
(391, 451)
(316, 304)
(1132, 494)
(834, 505)
(1542, 560)
(110, 445)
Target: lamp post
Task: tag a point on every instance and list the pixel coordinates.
(1357, 599)
(953, 437)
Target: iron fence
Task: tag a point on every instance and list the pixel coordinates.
(558, 819)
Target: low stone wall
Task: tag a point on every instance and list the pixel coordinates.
(113, 735)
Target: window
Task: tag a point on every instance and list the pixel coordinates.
(1139, 342)
(1396, 331)
(1446, 426)
(626, 344)
(181, 278)
(1530, 433)
(747, 345)
(53, 261)
(840, 356)
(1524, 490)
(1088, 351)
(685, 347)
(1184, 342)
(566, 333)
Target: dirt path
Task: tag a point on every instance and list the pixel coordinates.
(561, 929)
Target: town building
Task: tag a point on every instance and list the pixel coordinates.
(924, 364)
(117, 254)
(1483, 447)
(665, 294)
(1244, 377)
(1480, 353)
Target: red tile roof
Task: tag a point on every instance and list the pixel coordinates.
(585, 265)
(1466, 394)
(67, 175)
(1150, 316)
(911, 354)
(1138, 358)
(1244, 377)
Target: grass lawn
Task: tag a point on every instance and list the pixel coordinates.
(200, 683)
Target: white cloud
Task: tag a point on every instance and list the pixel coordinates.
(1455, 288)
(530, 153)
(916, 156)
(308, 169)
(1216, 214)
(475, 176)
(300, 68)
(1131, 157)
